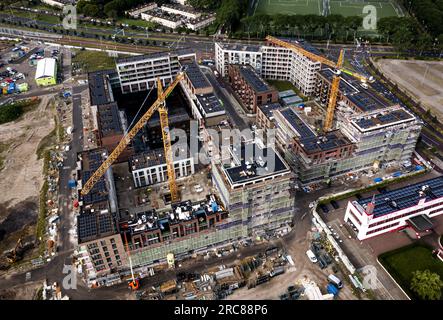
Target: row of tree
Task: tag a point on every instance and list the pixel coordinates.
(429, 13)
(305, 26)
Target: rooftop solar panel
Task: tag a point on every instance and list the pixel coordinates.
(253, 79)
(406, 197)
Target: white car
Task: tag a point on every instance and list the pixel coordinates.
(311, 256)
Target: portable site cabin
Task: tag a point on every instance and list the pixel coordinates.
(46, 73)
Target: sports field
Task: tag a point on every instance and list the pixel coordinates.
(385, 8)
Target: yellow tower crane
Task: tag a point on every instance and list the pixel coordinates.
(157, 105)
(334, 93)
(336, 80)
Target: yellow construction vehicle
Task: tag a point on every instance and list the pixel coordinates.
(336, 79)
(12, 256)
(159, 105)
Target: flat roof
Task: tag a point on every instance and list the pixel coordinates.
(406, 197)
(154, 157)
(91, 161)
(180, 212)
(365, 99)
(256, 82)
(268, 109)
(108, 119)
(303, 130)
(292, 100)
(383, 118)
(99, 91)
(210, 103)
(239, 47)
(154, 55)
(251, 163)
(329, 141)
(286, 93)
(94, 225)
(45, 68)
(195, 75)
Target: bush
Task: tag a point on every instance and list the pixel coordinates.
(13, 111)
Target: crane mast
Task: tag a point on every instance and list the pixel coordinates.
(129, 136)
(166, 135)
(334, 93)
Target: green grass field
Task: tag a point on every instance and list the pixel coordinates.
(385, 8)
(401, 263)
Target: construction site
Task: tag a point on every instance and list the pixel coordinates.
(145, 204)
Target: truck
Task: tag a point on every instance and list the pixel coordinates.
(330, 288)
(277, 271)
(335, 281)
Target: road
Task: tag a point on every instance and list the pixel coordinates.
(229, 102)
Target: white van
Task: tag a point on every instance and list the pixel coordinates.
(336, 281)
(311, 256)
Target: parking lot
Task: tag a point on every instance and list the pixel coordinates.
(365, 253)
(18, 66)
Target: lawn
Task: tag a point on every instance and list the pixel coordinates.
(401, 263)
(90, 61)
(384, 8)
(283, 86)
(289, 6)
(138, 23)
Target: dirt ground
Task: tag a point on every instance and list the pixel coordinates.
(21, 292)
(422, 79)
(22, 173)
(22, 170)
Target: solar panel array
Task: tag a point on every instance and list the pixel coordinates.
(99, 192)
(303, 130)
(196, 76)
(98, 89)
(109, 120)
(384, 118)
(331, 141)
(257, 83)
(406, 197)
(91, 225)
(268, 109)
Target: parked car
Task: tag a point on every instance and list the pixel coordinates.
(311, 256)
(324, 208)
(334, 204)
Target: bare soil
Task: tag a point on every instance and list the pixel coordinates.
(21, 177)
(422, 79)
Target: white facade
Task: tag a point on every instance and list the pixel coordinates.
(135, 13)
(57, 3)
(271, 62)
(161, 20)
(184, 11)
(226, 54)
(158, 173)
(140, 73)
(200, 23)
(369, 226)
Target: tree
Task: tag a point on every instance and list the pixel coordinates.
(427, 285)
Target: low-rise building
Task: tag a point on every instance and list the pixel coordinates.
(227, 54)
(165, 19)
(413, 206)
(185, 11)
(250, 88)
(46, 73)
(136, 12)
(265, 115)
(201, 22)
(58, 3)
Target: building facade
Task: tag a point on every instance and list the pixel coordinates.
(140, 73)
(46, 73)
(413, 206)
(250, 89)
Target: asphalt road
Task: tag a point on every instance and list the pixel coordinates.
(226, 98)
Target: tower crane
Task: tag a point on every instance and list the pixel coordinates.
(336, 79)
(157, 105)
